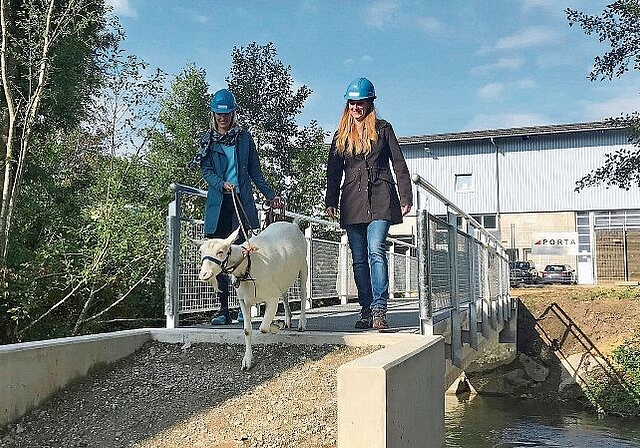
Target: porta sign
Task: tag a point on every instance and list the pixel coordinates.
(555, 243)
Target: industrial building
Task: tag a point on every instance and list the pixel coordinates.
(520, 184)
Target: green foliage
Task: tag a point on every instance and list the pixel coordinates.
(619, 25)
(617, 391)
(183, 115)
(599, 292)
(293, 159)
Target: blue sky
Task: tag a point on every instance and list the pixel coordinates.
(437, 66)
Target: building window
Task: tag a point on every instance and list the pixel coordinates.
(464, 183)
(490, 222)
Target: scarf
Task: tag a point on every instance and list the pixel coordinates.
(229, 138)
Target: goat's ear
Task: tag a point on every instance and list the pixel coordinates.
(231, 238)
(197, 243)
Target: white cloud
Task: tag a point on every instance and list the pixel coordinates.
(380, 12)
(366, 58)
(122, 8)
(528, 37)
(545, 4)
(500, 65)
(502, 121)
(622, 104)
(431, 25)
(490, 91)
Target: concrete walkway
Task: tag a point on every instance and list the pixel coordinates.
(402, 314)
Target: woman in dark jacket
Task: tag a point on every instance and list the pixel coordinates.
(230, 162)
(370, 202)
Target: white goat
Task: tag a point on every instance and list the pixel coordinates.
(263, 269)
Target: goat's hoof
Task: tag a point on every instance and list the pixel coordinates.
(246, 365)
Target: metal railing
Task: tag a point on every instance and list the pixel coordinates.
(330, 274)
(463, 274)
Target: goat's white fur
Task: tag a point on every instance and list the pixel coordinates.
(280, 255)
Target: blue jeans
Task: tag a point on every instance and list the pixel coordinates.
(370, 265)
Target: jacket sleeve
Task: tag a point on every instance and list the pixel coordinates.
(335, 169)
(209, 174)
(255, 172)
(400, 168)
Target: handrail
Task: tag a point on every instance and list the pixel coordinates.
(419, 180)
(180, 188)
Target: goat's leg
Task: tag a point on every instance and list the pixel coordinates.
(268, 325)
(302, 321)
(287, 310)
(247, 360)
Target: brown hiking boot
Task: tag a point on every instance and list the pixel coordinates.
(379, 319)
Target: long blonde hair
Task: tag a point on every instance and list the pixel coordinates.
(348, 139)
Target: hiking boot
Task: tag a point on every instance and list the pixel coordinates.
(221, 318)
(379, 319)
(364, 322)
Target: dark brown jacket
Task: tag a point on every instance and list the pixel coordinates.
(368, 190)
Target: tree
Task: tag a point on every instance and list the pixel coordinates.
(108, 248)
(183, 115)
(48, 68)
(268, 106)
(619, 25)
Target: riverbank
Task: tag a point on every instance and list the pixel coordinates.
(563, 333)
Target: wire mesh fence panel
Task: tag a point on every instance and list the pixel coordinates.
(324, 268)
(463, 270)
(399, 273)
(195, 295)
(440, 273)
(494, 275)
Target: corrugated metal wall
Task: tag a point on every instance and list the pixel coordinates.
(535, 174)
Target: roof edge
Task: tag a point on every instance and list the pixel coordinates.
(510, 132)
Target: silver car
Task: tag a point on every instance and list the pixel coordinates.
(559, 273)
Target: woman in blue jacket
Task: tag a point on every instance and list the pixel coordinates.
(230, 162)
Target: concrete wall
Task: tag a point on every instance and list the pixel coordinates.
(394, 397)
(33, 371)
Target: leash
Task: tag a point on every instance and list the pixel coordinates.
(237, 205)
(272, 216)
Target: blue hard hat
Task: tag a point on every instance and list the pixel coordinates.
(223, 102)
(360, 89)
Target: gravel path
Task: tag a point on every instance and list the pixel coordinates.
(167, 396)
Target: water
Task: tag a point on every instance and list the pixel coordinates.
(506, 423)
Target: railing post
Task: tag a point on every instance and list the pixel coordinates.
(407, 272)
(424, 283)
(456, 329)
(171, 290)
(308, 234)
(391, 268)
(473, 306)
(343, 268)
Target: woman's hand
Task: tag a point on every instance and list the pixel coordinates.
(229, 187)
(276, 202)
(332, 212)
(406, 208)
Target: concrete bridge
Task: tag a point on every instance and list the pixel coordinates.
(451, 305)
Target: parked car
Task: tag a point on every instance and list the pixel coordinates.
(523, 273)
(559, 273)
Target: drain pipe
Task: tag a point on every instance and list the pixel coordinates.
(497, 189)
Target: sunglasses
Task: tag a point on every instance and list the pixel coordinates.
(357, 103)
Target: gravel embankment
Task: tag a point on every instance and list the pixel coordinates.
(166, 396)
